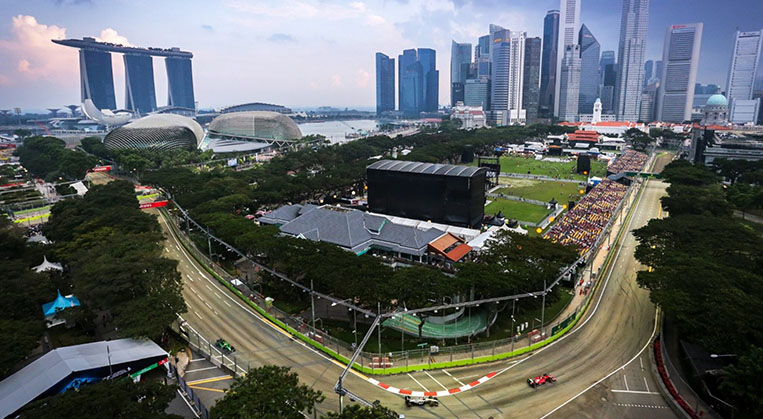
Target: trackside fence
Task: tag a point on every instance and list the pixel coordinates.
(189, 394)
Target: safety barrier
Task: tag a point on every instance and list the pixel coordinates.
(189, 394)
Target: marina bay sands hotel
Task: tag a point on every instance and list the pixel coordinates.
(97, 79)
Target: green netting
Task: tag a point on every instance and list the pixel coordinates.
(465, 326)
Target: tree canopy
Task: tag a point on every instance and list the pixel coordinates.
(356, 411)
(107, 399)
(114, 252)
(267, 392)
(48, 158)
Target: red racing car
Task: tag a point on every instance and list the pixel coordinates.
(540, 380)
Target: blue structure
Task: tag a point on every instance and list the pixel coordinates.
(460, 61)
(549, 56)
(589, 70)
(385, 83)
(418, 81)
(61, 303)
(140, 92)
(96, 78)
(180, 82)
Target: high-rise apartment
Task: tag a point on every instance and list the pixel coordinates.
(385, 83)
(634, 22)
(460, 60)
(569, 26)
(548, 63)
(589, 70)
(569, 78)
(680, 56)
(531, 88)
(742, 72)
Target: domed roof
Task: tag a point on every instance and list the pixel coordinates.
(258, 124)
(157, 132)
(717, 100)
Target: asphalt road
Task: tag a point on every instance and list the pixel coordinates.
(592, 363)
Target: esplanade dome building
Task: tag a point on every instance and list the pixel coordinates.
(256, 125)
(156, 132)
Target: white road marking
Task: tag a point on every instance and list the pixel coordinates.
(218, 296)
(227, 304)
(210, 307)
(189, 404)
(197, 314)
(457, 380)
(216, 313)
(650, 406)
(208, 287)
(646, 384)
(435, 380)
(417, 382)
(641, 361)
(189, 277)
(625, 378)
(194, 291)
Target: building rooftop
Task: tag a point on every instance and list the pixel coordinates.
(426, 168)
(91, 43)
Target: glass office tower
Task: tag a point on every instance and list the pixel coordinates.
(589, 70)
(385, 83)
(431, 82)
(548, 63)
(531, 88)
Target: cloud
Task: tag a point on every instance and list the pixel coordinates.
(111, 35)
(281, 37)
(208, 28)
(34, 56)
(336, 80)
(362, 79)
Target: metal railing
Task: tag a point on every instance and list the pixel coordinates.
(188, 393)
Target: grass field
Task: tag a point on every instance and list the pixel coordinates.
(563, 170)
(517, 210)
(540, 190)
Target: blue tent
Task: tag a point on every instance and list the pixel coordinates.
(59, 304)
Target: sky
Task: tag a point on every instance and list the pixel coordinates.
(306, 53)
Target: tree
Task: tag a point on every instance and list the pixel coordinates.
(642, 142)
(107, 399)
(267, 392)
(356, 411)
(743, 383)
(22, 133)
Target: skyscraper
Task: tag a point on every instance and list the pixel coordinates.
(657, 73)
(477, 92)
(548, 63)
(681, 58)
(607, 81)
(180, 82)
(648, 74)
(460, 59)
(97, 78)
(385, 83)
(589, 70)
(409, 76)
(483, 48)
(140, 93)
(569, 25)
(431, 79)
(507, 79)
(418, 81)
(634, 22)
(742, 72)
(569, 81)
(531, 88)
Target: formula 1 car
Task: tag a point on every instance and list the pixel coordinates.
(540, 380)
(421, 401)
(224, 346)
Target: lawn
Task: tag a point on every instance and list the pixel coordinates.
(540, 190)
(564, 170)
(521, 211)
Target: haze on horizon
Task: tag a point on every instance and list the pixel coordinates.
(306, 53)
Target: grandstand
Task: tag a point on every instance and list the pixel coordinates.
(629, 161)
(582, 225)
(434, 327)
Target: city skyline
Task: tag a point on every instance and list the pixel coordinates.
(231, 41)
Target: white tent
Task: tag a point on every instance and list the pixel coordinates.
(47, 266)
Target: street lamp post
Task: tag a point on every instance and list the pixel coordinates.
(312, 304)
(513, 308)
(543, 309)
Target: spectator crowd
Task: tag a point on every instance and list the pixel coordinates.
(630, 161)
(582, 225)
